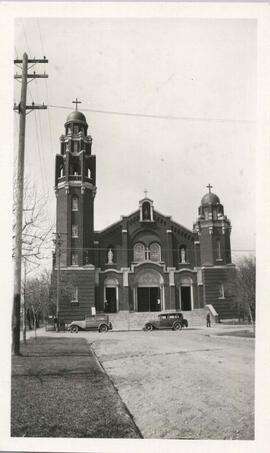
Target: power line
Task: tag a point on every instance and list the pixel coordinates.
(165, 117)
(47, 90)
(39, 155)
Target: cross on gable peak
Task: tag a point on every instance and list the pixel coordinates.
(76, 102)
(145, 193)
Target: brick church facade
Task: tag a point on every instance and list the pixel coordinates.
(145, 262)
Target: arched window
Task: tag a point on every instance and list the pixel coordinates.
(75, 203)
(221, 291)
(75, 168)
(139, 252)
(155, 252)
(74, 259)
(218, 250)
(74, 294)
(183, 254)
(74, 231)
(89, 173)
(75, 147)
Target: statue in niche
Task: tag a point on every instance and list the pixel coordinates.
(183, 254)
(110, 257)
(146, 211)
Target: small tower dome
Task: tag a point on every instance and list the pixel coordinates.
(210, 198)
(76, 117)
(76, 121)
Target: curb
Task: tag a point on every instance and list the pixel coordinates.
(116, 390)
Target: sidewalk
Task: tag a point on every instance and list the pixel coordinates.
(59, 390)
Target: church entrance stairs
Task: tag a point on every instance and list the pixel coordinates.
(125, 320)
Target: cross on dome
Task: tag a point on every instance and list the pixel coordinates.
(76, 102)
(209, 187)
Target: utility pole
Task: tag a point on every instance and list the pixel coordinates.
(21, 108)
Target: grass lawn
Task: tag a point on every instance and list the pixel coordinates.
(59, 390)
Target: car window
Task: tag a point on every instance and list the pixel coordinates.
(163, 316)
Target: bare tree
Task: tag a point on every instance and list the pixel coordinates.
(246, 287)
(36, 232)
(40, 296)
(37, 297)
(36, 237)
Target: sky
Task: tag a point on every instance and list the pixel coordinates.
(171, 107)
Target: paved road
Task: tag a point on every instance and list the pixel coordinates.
(183, 385)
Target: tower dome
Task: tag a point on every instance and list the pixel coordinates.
(76, 117)
(210, 198)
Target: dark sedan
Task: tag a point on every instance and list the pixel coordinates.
(172, 320)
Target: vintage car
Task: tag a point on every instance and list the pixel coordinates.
(172, 320)
(91, 322)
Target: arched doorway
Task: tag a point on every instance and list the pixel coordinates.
(185, 293)
(149, 291)
(111, 295)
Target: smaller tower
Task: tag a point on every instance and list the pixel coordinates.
(213, 229)
(213, 250)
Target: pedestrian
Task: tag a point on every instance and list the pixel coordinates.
(208, 320)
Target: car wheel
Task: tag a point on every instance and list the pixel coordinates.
(148, 327)
(74, 329)
(177, 326)
(103, 328)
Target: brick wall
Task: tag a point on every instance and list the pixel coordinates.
(84, 279)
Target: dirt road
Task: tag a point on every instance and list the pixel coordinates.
(182, 385)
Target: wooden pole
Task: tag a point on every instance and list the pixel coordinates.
(19, 214)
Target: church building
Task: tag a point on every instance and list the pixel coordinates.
(146, 261)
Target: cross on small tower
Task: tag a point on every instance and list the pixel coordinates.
(209, 187)
(76, 102)
(145, 193)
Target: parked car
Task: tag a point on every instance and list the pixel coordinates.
(91, 322)
(172, 320)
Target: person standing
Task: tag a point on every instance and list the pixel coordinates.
(208, 320)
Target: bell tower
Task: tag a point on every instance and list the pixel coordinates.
(216, 273)
(213, 229)
(75, 188)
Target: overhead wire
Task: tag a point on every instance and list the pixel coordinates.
(47, 89)
(36, 122)
(165, 117)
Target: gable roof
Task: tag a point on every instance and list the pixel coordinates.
(119, 223)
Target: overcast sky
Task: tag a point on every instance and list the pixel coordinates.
(198, 73)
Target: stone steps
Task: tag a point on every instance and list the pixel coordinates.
(125, 320)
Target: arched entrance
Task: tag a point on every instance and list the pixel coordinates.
(111, 295)
(148, 291)
(185, 293)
